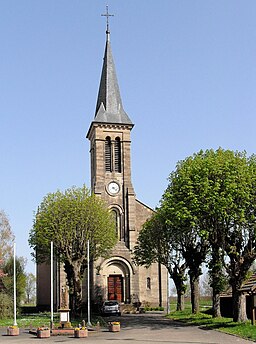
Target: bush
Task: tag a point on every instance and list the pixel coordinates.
(154, 308)
(6, 306)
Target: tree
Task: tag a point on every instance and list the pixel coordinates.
(240, 229)
(156, 244)
(179, 206)
(212, 194)
(6, 240)
(2, 274)
(20, 278)
(6, 306)
(6, 237)
(70, 219)
(30, 288)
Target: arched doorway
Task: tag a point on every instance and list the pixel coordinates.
(117, 274)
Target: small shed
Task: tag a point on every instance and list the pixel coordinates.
(249, 289)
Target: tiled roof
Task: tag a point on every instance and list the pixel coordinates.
(249, 286)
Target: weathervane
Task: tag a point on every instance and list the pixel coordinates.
(107, 15)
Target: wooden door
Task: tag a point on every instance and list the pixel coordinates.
(115, 287)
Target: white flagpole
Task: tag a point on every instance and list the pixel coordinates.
(51, 283)
(14, 284)
(88, 284)
(168, 299)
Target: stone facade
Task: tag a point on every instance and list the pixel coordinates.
(133, 284)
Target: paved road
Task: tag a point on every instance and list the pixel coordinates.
(140, 329)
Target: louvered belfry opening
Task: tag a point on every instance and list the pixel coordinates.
(117, 155)
(108, 159)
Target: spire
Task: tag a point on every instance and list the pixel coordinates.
(109, 108)
(107, 15)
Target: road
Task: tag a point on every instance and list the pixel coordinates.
(140, 329)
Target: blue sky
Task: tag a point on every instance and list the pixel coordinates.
(187, 75)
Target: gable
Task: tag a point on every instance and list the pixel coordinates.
(143, 213)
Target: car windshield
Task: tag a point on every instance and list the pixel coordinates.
(111, 303)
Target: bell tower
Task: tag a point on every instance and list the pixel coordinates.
(117, 278)
(110, 152)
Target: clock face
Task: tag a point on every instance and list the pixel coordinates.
(113, 188)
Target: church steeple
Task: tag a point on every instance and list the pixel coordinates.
(109, 108)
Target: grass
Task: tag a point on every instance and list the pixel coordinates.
(27, 320)
(43, 319)
(243, 330)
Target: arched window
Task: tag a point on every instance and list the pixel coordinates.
(148, 283)
(117, 155)
(108, 155)
(116, 215)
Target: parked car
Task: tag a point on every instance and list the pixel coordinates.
(111, 307)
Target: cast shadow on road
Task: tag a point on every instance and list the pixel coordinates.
(152, 321)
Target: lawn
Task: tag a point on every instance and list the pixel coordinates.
(30, 320)
(43, 319)
(244, 330)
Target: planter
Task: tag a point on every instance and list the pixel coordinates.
(43, 333)
(13, 331)
(80, 333)
(114, 327)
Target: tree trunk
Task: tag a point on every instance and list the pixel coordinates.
(194, 285)
(239, 306)
(217, 277)
(74, 281)
(77, 293)
(180, 301)
(216, 304)
(178, 276)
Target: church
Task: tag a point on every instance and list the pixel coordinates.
(115, 278)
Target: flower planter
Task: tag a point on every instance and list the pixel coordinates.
(43, 333)
(114, 327)
(13, 331)
(80, 333)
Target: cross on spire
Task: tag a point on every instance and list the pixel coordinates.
(107, 15)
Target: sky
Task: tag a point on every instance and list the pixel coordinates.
(187, 75)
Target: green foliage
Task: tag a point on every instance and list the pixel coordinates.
(6, 305)
(30, 289)
(151, 243)
(158, 243)
(154, 308)
(70, 219)
(211, 201)
(20, 278)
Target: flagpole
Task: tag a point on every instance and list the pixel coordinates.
(168, 299)
(14, 284)
(88, 284)
(51, 284)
